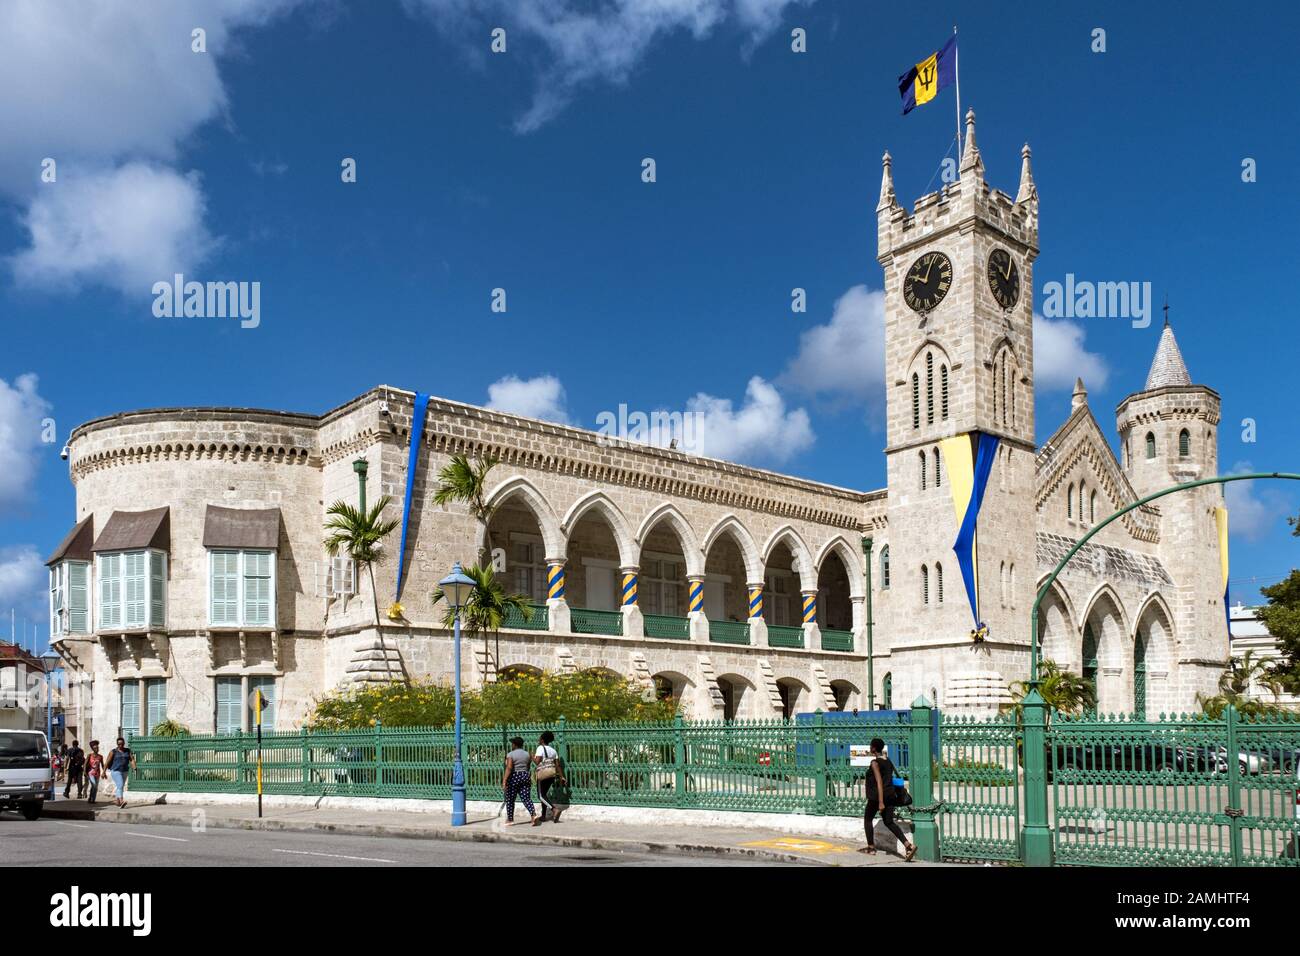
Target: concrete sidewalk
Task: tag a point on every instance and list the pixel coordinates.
(749, 842)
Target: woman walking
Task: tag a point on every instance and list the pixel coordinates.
(549, 772)
(882, 798)
(94, 769)
(120, 764)
(516, 781)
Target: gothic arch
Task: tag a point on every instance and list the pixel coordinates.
(628, 553)
(685, 535)
(930, 343)
(553, 539)
(1107, 623)
(807, 570)
(1058, 637)
(730, 524)
(1109, 593)
(852, 563)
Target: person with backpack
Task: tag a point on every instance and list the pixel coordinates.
(549, 772)
(516, 782)
(94, 769)
(76, 771)
(120, 764)
(886, 790)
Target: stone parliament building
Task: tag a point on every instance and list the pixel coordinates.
(195, 572)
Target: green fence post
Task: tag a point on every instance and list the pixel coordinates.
(379, 757)
(679, 761)
(920, 766)
(1233, 809)
(819, 760)
(182, 754)
(306, 762)
(561, 742)
(1036, 838)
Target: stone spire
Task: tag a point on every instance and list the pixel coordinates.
(1168, 367)
(1080, 396)
(1027, 188)
(970, 157)
(887, 197)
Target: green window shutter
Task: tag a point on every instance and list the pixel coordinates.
(267, 686)
(157, 589)
(110, 591)
(130, 708)
(78, 597)
(258, 567)
(228, 705)
(56, 599)
(133, 589)
(156, 702)
(225, 586)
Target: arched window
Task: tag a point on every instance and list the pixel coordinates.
(1151, 446)
(1092, 508)
(887, 692)
(884, 568)
(943, 391)
(1081, 501)
(1069, 501)
(929, 388)
(938, 581)
(937, 479)
(1002, 384)
(1012, 599)
(922, 457)
(1002, 581)
(925, 585)
(993, 374)
(916, 400)
(1184, 443)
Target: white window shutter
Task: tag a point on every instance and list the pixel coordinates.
(110, 591)
(228, 704)
(258, 566)
(134, 588)
(78, 597)
(157, 589)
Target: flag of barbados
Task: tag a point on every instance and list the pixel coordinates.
(922, 82)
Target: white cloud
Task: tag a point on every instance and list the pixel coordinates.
(1254, 509)
(760, 430)
(846, 356)
(21, 412)
(23, 585)
(603, 43)
(1060, 356)
(101, 86)
(541, 397)
(127, 228)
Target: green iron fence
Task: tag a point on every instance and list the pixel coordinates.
(540, 621)
(587, 621)
(779, 635)
(667, 625)
(1177, 791)
(833, 640)
(728, 632)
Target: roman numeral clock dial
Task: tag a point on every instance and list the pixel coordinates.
(1004, 278)
(927, 282)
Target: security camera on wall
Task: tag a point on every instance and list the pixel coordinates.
(383, 409)
(64, 453)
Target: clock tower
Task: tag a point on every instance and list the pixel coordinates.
(958, 279)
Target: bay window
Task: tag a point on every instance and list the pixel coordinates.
(241, 588)
(132, 590)
(69, 598)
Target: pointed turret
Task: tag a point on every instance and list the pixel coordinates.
(970, 157)
(1168, 367)
(887, 196)
(1027, 190)
(1080, 396)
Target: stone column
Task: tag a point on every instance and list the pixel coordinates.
(757, 624)
(557, 608)
(859, 623)
(699, 626)
(633, 620)
(812, 634)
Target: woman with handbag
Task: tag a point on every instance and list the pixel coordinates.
(885, 791)
(548, 774)
(516, 783)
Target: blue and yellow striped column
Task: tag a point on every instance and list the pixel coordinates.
(629, 586)
(554, 580)
(695, 593)
(755, 601)
(809, 607)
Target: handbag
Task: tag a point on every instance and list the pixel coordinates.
(547, 770)
(560, 795)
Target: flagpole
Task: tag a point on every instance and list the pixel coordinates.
(956, 67)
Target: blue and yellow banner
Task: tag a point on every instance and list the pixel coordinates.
(1221, 521)
(922, 83)
(969, 459)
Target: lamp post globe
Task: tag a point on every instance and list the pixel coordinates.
(457, 587)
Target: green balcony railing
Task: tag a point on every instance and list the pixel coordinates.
(728, 632)
(667, 625)
(779, 635)
(585, 620)
(833, 640)
(538, 622)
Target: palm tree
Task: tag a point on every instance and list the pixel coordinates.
(463, 481)
(1235, 685)
(1064, 691)
(360, 535)
(487, 607)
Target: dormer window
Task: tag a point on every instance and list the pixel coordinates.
(70, 581)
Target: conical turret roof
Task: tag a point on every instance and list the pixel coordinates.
(1168, 367)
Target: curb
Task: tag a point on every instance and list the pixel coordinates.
(144, 816)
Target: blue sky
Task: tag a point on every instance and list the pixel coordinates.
(522, 171)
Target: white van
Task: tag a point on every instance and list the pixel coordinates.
(26, 778)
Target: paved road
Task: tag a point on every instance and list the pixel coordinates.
(66, 843)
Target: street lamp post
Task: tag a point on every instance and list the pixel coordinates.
(360, 466)
(457, 586)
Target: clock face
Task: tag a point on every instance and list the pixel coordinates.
(1004, 278)
(927, 282)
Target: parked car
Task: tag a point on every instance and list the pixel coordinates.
(26, 772)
